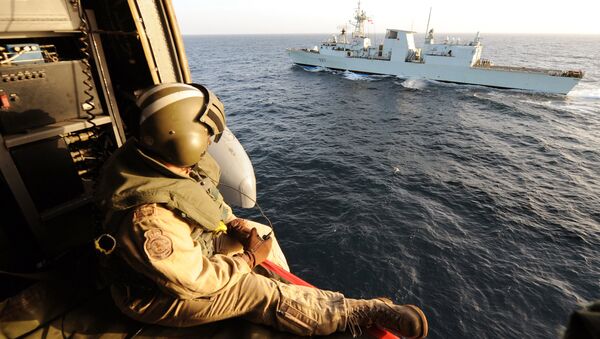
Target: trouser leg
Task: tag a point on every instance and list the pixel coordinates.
(296, 309)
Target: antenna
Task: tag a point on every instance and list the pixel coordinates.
(359, 27)
(428, 19)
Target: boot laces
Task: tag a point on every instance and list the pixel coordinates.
(363, 313)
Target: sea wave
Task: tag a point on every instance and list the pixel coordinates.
(357, 76)
(313, 68)
(479, 205)
(591, 93)
(415, 83)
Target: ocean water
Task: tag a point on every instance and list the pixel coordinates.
(480, 205)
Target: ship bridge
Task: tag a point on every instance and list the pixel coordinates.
(400, 45)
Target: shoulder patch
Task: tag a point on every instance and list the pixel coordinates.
(157, 245)
(143, 211)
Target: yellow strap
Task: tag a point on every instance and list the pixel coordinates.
(221, 228)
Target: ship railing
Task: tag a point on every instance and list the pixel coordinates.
(441, 54)
(370, 57)
(487, 64)
(311, 50)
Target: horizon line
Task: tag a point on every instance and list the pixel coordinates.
(438, 33)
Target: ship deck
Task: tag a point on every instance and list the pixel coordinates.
(578, 74)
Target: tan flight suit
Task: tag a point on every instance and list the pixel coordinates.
(171, 273)
(195, 289)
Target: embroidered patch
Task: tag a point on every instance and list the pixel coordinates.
(157, 245)
(143, 212)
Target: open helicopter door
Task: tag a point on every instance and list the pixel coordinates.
(68, 73)
(167, 62)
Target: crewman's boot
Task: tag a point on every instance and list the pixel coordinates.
(405, 320)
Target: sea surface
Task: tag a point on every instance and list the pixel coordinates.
(480, 205)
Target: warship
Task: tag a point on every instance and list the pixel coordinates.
(449, 61)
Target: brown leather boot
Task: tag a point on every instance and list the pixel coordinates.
(404, 320)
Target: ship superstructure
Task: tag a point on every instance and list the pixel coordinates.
(448, 61)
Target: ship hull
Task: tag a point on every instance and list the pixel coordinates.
(484, 76)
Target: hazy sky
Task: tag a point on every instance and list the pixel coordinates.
(325, 16)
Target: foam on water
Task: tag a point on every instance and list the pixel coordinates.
(356, 76)
(415, 83)
(589, 93)
(313, 68)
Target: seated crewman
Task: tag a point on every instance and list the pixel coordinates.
(174, 266)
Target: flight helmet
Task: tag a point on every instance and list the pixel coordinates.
(176, 120)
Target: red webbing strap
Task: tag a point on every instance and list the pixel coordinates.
(374, 331)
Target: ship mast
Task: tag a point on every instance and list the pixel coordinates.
(428, 33)
(359, 27)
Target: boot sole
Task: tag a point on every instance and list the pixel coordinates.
(424, 324)
(422, 317)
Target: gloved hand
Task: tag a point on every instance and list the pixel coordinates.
(238, 229)
(256, 249)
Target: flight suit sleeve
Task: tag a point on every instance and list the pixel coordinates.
(227, 213)
(160, 245)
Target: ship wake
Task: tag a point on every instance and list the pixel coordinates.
(415, 83)
(586, 93)
(313, 68)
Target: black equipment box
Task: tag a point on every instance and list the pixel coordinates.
(48, 172)
(36, 95)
